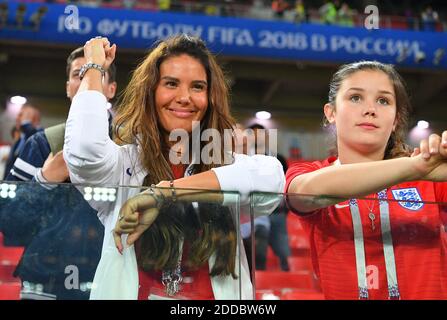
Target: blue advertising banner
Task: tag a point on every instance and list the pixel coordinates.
(69, 24)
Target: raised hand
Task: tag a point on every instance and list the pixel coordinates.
(99, 51)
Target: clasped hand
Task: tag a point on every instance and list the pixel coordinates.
(430, 158)
(136, 215)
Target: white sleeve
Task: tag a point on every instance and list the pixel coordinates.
(253, 173)
(91, 156)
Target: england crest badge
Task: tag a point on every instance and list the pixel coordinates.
(411, 195)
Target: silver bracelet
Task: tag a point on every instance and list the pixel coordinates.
(91, 65)
(159, 198)
(174, 194)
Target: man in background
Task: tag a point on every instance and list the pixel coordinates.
(27, 124)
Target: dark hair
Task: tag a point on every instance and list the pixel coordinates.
(256, 126)
(207, 230)
(396, 146)
(283, 161)
(79, 53)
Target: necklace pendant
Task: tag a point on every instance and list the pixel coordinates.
(172, 288)
(372, 217)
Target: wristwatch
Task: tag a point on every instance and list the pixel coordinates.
(91, 65)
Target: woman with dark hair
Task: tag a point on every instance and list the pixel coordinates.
(178, 87)
(374, 249)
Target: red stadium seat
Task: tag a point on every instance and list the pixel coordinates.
(10, 291)
(298, 239)
(277, 285)
(278, 280)
(272, 260)
(145, 5)
(299, 245)
(293, 224)
(302, 295)
(268, 294)
(297, 264)
(6, 274)
(10, 255)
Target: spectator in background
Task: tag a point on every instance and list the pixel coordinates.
(429, 19)
(5, 149)
(164, 5)
(345, 16)
(27, 123)
(227, 9)
(272, 230)
(260, 11)
(4, 153)
(211, 9)
(411, 19)
(279, 7)
(128, 4)
(90, 3)
(269, 230)
(300, 12)
(328, 12)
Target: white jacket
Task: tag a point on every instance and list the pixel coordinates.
(94, 159)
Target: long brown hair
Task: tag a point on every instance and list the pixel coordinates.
(137, 121)
(396, 146)
(207, 229)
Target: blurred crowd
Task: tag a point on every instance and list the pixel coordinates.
(412, 16)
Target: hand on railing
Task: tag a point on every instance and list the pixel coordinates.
(431, 158)
(136, 216)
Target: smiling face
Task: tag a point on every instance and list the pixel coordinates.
(364, 112)
(181, 95)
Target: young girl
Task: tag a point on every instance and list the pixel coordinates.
(177, 83)
(372, 249)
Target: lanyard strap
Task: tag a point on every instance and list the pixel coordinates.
(359, 250)
(388, 250)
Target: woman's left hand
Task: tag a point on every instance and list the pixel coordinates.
(136, 216)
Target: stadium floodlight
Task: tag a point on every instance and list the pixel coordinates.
(422, 124)
(19, 100)
(263, 115)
